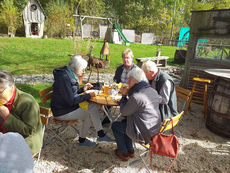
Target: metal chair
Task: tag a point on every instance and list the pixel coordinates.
(166, 125)
(45, 95)
(44, 121)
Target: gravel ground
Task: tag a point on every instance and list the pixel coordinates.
(200, 151)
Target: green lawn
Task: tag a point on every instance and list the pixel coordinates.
(38, 56)
(34, 90)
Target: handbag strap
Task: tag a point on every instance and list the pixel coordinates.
(172, 126)
(151, 160)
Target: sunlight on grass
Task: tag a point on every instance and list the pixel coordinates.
(39, 56)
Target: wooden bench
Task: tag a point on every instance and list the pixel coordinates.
(159, 60)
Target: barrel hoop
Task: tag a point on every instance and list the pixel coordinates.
(213, 126)
(219, 114)
(222, 94)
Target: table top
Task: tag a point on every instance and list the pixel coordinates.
(219, 72)
(101, 99)
(152, 58)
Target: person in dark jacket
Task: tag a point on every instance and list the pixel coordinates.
(19, 112)
(67, 96)
(122, 71)
(143, 119)
(165, 87)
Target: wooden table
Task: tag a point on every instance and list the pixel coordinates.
(160, 60)
(101, 99)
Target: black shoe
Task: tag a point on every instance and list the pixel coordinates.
(105, 121)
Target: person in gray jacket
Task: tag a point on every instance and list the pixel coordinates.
(165, 87)
(143, 118)
(15, 154)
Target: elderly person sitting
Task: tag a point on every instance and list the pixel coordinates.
(122, 71)
(19, 112)
(67, 97)
(142, 112)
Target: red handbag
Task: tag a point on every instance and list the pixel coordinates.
(164, 145)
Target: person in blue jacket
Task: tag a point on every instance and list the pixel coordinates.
(67, 96)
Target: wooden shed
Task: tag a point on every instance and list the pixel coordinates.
(213, 27)
(34, 17)
(210, 59)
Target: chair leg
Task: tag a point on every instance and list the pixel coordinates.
(141, 155)
(190, 99)
(205, 99)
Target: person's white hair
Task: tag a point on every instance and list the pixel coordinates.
(149, 66)
(138, 75)
(78, 64)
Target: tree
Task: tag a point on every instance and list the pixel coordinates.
(60, 18)
(9, 16)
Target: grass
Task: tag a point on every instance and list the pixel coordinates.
(38, 56)
(34, 89)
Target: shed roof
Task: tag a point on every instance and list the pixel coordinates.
(38, 2)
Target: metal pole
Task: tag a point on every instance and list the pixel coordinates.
(82, 18)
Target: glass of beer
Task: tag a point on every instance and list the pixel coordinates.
(106, 89)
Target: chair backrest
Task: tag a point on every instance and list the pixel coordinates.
(46, 94)
(185, 95)
(167, 124)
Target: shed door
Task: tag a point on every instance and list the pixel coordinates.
(34, 28)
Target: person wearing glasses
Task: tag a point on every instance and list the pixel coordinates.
(66, 97)
(19, 112)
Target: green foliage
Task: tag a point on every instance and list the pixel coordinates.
(34, 89)
(9, 16)
(60, 21)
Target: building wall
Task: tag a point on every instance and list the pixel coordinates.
(30, 17)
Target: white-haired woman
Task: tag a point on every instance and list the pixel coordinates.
(142, 112)
(66, 98)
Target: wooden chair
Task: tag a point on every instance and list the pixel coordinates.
(200, 95)
(185, 95)
(46, 95)
(166, 125)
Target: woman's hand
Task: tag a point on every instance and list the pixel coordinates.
(93, 94)
(4, 111)
(87, 86)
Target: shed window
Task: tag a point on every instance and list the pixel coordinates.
(33, 7)
(213, 49)
(34, 28)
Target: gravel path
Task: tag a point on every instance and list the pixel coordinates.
(175, 72)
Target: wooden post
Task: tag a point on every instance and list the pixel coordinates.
(82, 18)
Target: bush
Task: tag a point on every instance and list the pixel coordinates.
(60, 20)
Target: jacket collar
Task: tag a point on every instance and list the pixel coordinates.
(136, 87)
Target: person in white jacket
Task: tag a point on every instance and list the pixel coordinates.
(15, 154)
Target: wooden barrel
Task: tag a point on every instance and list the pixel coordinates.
(218, 113)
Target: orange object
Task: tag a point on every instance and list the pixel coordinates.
(106, 90)
(201, 96)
